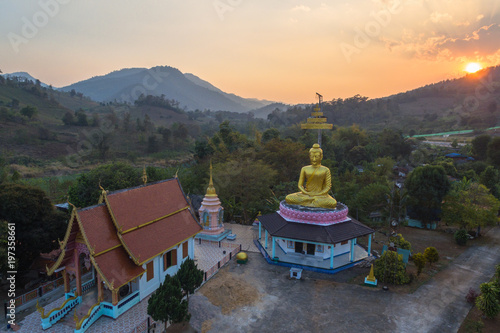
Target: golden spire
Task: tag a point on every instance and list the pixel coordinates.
(211, 188)
(144, 175)
(371, 276)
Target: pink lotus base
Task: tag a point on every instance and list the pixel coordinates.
(318, 217)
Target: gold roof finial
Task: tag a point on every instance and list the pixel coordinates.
(211, 188)
(144, 175)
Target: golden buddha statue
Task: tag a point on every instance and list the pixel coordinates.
(314, 183)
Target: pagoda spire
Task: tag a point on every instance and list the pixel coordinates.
(317, 120)
(211, 188)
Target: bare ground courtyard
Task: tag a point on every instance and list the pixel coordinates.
(258, 297)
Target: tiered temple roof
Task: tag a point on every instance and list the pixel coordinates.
(129, 228)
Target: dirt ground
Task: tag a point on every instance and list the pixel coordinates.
(229, 291)
(258, 297)
(490, 325)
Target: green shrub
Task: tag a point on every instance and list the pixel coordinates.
(400, 242)
(419, 261)
(474, 326)
(431, 255)
(390, 268)
(488, 302)
(461, 237)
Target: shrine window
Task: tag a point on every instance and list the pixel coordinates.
(289, 244)
(150, 270)
(185, 249)
(169, 259)
(320, 248)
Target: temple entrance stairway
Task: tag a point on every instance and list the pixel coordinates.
(88, 300)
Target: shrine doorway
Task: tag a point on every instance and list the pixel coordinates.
(311, 248)
(299, 247)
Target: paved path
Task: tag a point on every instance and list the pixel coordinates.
(440, 304)
(319, 303)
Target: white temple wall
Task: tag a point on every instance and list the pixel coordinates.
(338, 250)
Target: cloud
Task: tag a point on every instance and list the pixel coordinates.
(440, 17)
(301, 8)
(482, 42)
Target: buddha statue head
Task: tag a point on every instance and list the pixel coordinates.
(315, 155)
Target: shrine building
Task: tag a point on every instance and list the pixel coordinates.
(321, 240)
(129, 241)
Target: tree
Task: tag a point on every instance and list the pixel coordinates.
(190, 276)
(153, 145)
(490, 178)
(165, 133)
(38, 224)
(81, 118)
(369, 199)
(400, 242)
(493, 151)
(166, 303)
(269, 134)
(419, 261)
(431, 255)
(480, 146)
(390, 268)
(461, 236)
(202, 149)
(470, 207)
(85, 191)
(247, 182)
(426, 186)
(488, 302)
(286, 156)
(68, 118)
(29, 111)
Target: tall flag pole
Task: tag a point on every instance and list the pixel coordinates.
(317, 120)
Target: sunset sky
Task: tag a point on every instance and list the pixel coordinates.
(280, 50)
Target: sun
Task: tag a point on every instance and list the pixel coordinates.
(473, 67)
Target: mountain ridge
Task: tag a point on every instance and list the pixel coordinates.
(189, 90)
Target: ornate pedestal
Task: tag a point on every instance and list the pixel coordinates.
(313, 215)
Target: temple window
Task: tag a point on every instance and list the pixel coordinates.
(289, 244)
(221, 216)
(169, 259)
(206, 219)
(185, 249)
(150, 270)
(320, 248)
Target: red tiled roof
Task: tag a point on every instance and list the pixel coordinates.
(136, 206)
(149, 241)
(117, 267)
(98, 227)
(152, 219)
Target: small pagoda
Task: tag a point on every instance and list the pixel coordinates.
(211, 215)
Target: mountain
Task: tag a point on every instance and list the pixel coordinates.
(126, 85)
(24, 75)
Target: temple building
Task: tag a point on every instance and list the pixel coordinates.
(311, 230)
(129, 241)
